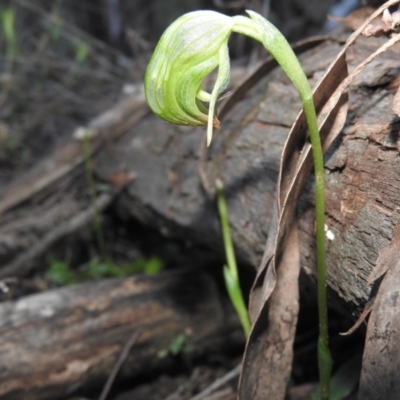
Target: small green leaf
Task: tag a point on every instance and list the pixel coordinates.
(60, 274)
(344, 381)
(177, 345)
(82, 51)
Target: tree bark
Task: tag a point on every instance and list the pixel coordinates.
(174, 190)
(63, 341)
(174, 187)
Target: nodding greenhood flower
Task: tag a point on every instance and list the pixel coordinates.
(188, 51)
(193, 46)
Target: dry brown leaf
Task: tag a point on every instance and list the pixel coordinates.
(367, 309)
(279, 325)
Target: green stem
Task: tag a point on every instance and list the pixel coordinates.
(231, 275)
(274, 42)
(324, 355)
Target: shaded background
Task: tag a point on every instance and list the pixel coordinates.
(66, 61)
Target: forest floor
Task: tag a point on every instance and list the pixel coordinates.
(59, 70)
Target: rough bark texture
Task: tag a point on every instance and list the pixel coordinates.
(58, 342)
(173, 191)
(362, 172)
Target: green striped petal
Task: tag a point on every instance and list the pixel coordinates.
(193, 46)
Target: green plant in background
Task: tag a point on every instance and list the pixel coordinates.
(60, 273)
(82, 51)
(7, 18)
(178, 346)
(193, 46)
(98, 269)
(231, 275)
(149, 266)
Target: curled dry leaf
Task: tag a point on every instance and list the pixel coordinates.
(389, 24)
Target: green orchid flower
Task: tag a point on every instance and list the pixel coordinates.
(189, 50)
(193, 46)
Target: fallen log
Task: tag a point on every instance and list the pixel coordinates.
(175, 185)
(174, 189)
(62, 342)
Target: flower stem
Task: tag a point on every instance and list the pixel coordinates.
(231, 275)
(324, 355)
(276, 44)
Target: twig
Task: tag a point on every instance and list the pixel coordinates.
(118, 364)
(218, 383)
